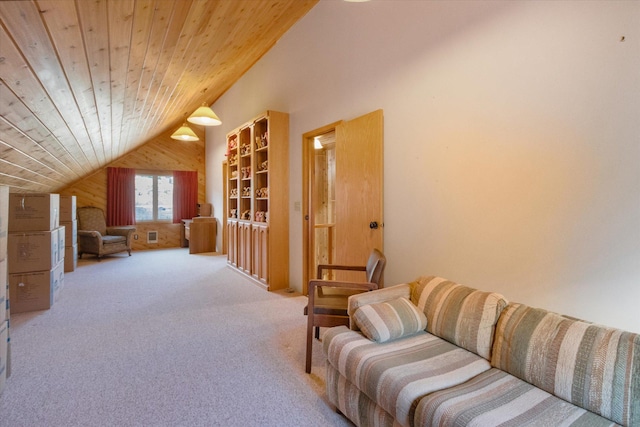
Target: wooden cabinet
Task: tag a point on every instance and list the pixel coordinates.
(260, 254)
(258, 199)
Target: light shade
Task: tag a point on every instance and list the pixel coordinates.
(204, 116)
(185, 134)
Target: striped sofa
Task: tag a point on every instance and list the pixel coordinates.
(480, 361)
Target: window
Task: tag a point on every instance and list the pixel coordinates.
(154, 197)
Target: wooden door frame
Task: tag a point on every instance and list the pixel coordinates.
(308, 170)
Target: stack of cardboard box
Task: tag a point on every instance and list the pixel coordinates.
(36, 261)
(4, 285)
(70, 223)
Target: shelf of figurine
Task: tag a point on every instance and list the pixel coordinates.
(246, 172)
(246, 215)
(233, 193)
(263, 167)
(246, 191)
(262, 193)
(262, 141)
(245, 150)
(233, 160)
(261, 216)
(233, 214)
(232, 144)
(234, 174)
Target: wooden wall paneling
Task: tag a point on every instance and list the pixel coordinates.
(70, 43)
(143, 20)
(120, 35)
(174, 45)
(27, 28)
(83, 83)
(163, 153)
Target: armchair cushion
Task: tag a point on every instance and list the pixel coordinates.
(391, 320)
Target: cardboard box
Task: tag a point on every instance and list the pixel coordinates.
(70, 258)
(61, 243)
(67, 208)
(34, 212)
(32, 251)
(4, 220)
(4, 306)
(70, 232)
(4, 351)
(36, 290)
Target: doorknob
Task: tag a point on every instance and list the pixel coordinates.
(373, 225)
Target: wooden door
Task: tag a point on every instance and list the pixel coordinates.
(358, 192)
(263, 244)
(244, 250)
(232, 241)
(359, 188)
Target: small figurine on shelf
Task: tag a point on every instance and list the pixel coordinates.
(264, 165)
(233, 213)
(246, 214)
(266, 217)
(262, 193)
(233, 143)
(234, 173)
(233, 160)
(246, 191)
(233, 192)
(245, 149)
(246, 172)
(262, 140)
(260, 216)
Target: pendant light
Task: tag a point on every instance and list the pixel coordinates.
(204, 116)
(185, 134)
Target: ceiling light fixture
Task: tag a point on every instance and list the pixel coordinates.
(204, 116)
(185, 134)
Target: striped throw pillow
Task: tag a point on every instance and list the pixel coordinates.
(462, 315)
(390, 320)
(592, 366)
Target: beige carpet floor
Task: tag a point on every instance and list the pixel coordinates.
(164, 338)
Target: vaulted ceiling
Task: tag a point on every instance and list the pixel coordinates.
(83, 82)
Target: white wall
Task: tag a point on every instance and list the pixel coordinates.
(512, 139)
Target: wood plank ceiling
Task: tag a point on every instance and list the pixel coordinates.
(83, 82)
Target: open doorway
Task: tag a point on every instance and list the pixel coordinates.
(342, 194)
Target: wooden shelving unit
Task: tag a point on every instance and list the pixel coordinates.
(258, 199)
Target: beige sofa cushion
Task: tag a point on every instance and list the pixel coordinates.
(459, 314)
(391, 320)
(591, 366)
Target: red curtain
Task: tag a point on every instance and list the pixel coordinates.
(121, 196)
(185, 195)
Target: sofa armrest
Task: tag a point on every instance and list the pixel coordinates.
(374, 297)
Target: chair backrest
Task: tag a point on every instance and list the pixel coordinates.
(375, 267)
(92, 219)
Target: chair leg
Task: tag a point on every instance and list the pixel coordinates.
(307, 367)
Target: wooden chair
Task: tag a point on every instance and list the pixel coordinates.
(327, 305)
